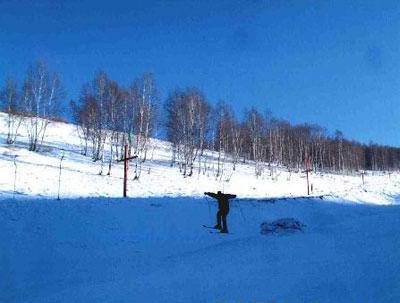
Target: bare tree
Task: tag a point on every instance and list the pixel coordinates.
(114, 124)
(144, 98)
(81, 115)
(42, 95)
(227, 136)
(10, 103)
(255, 123)
(188, 125)
(98, 96)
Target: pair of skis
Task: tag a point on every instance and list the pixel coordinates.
(214, 230)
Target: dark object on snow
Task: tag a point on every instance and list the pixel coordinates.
(285, 225)
(206, 226)
(223, 209)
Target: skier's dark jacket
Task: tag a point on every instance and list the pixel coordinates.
(223, 200)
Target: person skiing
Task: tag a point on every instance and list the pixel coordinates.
(223, 209)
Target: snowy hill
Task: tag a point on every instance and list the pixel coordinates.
(38, 172)
(93, 247)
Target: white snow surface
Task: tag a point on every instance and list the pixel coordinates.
(92, 246)
(37, 175)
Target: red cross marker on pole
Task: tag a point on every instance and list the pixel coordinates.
(126, 166)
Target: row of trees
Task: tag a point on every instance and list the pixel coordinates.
(33, 103)
(108, 112)
(267, 140)
(193, 125)
(110, 115)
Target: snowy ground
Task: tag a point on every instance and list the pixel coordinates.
(156, 250)
(37, 175)
(93, 247)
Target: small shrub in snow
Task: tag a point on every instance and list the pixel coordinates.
(285, 225)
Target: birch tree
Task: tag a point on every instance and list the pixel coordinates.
(41, 99)
(256, 127)
(143, 99)
(10, 103)
(188, 125)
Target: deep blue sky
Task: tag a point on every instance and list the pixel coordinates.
(331, 62)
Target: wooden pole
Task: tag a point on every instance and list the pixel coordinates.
(126, 167)
(59, 177)
(126, 170)
(15, 176)
(308, 169)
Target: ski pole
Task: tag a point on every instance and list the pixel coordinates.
(209, 208)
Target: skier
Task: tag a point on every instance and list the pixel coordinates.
(223, 209)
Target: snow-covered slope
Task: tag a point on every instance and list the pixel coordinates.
(37, 175)
(156, 250)
(92, 247)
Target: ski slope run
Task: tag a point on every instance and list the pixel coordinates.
(156, 250)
